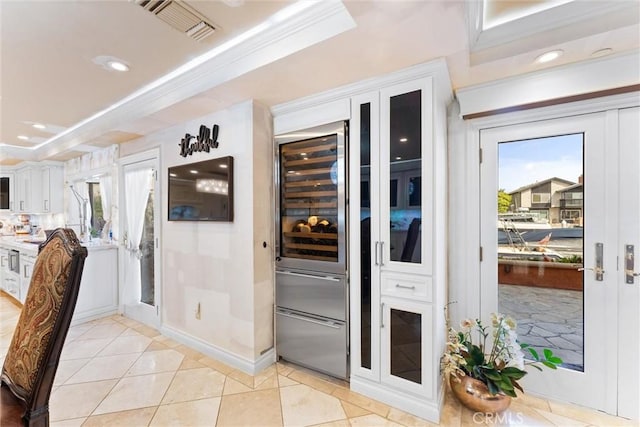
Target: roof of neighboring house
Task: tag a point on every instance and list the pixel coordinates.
(571, 187)
(535, 184)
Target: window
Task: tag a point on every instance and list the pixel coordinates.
(97, 215)
(540, 197)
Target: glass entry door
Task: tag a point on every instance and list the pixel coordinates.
(549, 240)
(140, 241)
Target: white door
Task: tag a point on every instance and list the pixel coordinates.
(140, 225)
(562, 178)
(628, 280)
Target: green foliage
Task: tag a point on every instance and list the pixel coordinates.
(503, 365)
(504, 201)
(573, 259)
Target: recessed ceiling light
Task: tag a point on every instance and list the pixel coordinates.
(549, 56)
(193, 171)
(39, 126)
(173, 174)
(111, 63)
(23, 137)
(118, 66)
(602, 52)
(223, 166)
(403, 139)
(398, 158)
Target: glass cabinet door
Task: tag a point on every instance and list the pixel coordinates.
(405, 348)
(364, 234)
(405, 149)
(310, 208)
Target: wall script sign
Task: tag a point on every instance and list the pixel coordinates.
(204, 141)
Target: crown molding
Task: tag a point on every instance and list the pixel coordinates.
(585, 77)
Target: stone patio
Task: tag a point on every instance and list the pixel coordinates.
(547, 318)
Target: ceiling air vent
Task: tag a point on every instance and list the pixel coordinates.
(180, 16)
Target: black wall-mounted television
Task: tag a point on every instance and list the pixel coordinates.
(202, 191)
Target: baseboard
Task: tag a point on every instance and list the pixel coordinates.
(88, 316)
(251, 367)
(429, 410)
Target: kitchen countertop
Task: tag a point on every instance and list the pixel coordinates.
(11, 242)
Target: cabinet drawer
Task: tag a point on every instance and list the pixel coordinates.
(407, 286)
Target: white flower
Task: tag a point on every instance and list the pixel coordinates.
(467, 324)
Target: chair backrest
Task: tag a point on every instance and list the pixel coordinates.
(32, 358)
(412, 239)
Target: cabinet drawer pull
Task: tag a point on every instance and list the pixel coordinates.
(398, 285)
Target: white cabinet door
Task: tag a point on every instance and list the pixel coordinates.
(407, 346)
(26, 270)
(52, 184)
(405, 156)
(28, 190)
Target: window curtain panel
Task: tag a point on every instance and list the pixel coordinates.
(137, 185)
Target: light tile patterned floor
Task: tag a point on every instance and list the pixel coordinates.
(117, 372)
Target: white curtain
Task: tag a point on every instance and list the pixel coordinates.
(106, 185)
(137, 185)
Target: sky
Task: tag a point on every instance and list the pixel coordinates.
(526, 162)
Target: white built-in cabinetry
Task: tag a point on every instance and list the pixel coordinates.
(397, 223)
(38, 188)
(27, 263)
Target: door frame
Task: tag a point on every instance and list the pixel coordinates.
(149, 317)
(464, 296)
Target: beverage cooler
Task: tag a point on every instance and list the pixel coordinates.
(311, 281)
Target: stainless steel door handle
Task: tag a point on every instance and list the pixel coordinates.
(382, 315)
(629, 260)
(381, 254)
(598, 269)
(308, 276)
(375, 260)
(327, 323)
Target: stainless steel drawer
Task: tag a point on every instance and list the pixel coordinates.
(310, 293)
(314, 342)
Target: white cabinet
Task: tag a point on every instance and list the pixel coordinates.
(397, 246)
(7, 192)
(407, 350)
(27, 189)
(26, 270)
(39, 188)
(52, 185)
(98, 295)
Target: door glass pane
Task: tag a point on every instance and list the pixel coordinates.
(406, 347)
(309, 199)
(405, 157)
(147, 294)
(540, 243)
(365, 236)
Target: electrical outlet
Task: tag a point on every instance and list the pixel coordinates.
(198, 312)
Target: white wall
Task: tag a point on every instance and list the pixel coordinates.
(222, 266)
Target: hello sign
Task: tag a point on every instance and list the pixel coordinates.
(204, 141)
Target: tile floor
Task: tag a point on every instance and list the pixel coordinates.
(117, 372)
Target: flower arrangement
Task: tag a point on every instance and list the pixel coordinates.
(500, 366)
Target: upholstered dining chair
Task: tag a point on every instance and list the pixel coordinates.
(32, 358)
